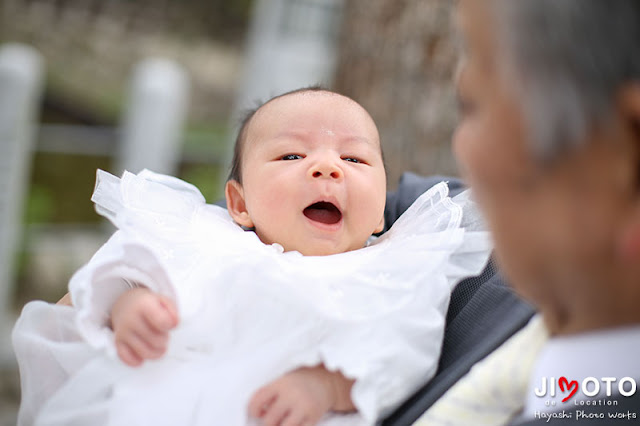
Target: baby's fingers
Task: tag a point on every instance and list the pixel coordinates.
(301, 413)
(127, 355)
(154, 339)
(160, 314)
(261, 400)
(171, 309)
(296, 418)
(141, 346)
(276, 413)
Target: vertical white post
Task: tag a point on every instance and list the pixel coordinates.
(21, 72)
(154, 120)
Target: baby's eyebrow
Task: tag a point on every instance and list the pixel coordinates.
(361, 139)
(292, 134)
(308, 137)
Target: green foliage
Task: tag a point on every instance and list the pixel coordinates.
(40, 204)
(207, 179)
(209, 139)
(61, 187)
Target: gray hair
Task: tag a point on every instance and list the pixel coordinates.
(566, 59)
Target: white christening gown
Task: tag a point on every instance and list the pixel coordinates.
(248, 312)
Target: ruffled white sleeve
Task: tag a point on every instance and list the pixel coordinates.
(133, 256)
(117, 267)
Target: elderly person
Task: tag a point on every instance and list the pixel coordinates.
(550, 142)
(549, 139)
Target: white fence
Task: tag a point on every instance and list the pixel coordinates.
(151, 138)
(21, 72)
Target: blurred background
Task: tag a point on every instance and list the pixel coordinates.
(160, 84)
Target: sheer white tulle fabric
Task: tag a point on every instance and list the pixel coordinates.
(248, 312)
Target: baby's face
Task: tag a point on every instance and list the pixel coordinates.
(313, 176)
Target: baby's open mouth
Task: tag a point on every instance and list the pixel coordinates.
(323, 212)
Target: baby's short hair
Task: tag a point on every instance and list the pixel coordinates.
(236, 163)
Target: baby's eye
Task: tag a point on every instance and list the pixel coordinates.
(291, 157)
(353, 160)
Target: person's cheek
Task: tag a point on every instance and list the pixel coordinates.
(465, 145)
(459, 149)
(512, 253)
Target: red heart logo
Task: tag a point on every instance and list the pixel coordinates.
(562, 382)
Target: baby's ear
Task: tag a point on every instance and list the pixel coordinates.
(380, 225)
(235, 204)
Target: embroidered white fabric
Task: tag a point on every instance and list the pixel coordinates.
(248, 312)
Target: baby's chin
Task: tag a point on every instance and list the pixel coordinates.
(315, 247)
(323, 249)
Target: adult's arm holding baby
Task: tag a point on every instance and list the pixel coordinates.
(65, 300)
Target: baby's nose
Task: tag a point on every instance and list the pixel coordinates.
(325, 168)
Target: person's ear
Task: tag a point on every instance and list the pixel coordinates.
(629, 242)
(236, 205)
(629, 103)
(380, 225)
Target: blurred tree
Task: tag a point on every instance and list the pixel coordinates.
(397, 58)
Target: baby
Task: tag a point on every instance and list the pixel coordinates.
(303, 317)
(307, 174)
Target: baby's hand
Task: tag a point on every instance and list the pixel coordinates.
(301, 397)
(141, 321)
